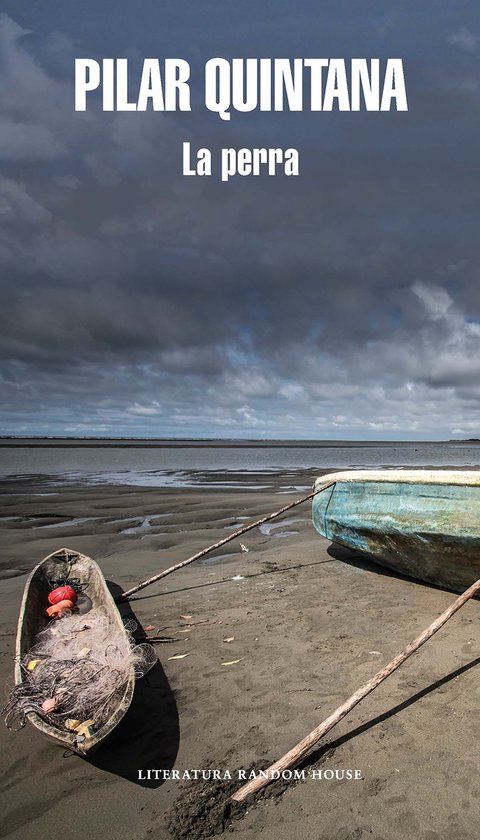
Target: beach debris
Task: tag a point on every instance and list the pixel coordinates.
(244, 548)
(301, 749)
(164, 639)
(49, 705)
(84, 652)
(33, 664)
(85, 729)
(238, 577)
(178, 656)
(186, 617)
(88, 732)
(375, 652)
(149, 627)
(190, 626)
(233, 661)
(78, 725)
(230, 639)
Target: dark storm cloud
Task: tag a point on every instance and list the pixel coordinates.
(344, 302)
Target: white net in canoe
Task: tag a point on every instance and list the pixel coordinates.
(84, 666)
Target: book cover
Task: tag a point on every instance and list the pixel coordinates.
(239, 253)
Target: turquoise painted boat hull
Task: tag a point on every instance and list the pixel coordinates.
(421, 523)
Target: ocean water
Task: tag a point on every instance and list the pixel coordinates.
(245, 464)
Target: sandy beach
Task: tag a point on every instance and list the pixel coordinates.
(310, 622)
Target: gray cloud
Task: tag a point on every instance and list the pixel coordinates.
(342, 303)
(464, 38)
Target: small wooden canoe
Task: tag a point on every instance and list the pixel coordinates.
(66, 563)
(422, 523)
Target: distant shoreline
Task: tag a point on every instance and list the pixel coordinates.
(213, 443)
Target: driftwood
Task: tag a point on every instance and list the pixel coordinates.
(301, 749)
(226, 540)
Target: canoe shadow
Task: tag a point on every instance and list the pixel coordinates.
(148, 736)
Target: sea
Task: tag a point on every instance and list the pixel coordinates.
(242, 464)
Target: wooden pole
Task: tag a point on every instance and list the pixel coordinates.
(218, 544)
(301, 749)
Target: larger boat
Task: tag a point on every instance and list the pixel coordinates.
(421, 523)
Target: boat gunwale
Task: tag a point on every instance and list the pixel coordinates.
(395, 475)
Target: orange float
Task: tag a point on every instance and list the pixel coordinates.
(57, 610)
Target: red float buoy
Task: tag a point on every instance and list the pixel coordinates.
(62, 593)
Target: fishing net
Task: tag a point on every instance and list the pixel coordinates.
(84, 665)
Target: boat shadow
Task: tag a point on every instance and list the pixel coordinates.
(148, 736)
(359, 561)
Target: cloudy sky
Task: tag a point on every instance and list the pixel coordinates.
(344, 303)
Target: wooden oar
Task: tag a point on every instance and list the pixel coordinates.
(303, 747)
(218, 544)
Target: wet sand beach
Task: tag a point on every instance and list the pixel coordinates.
(310, 622)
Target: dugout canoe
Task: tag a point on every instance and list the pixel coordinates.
(421, 523)
(67, 564)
